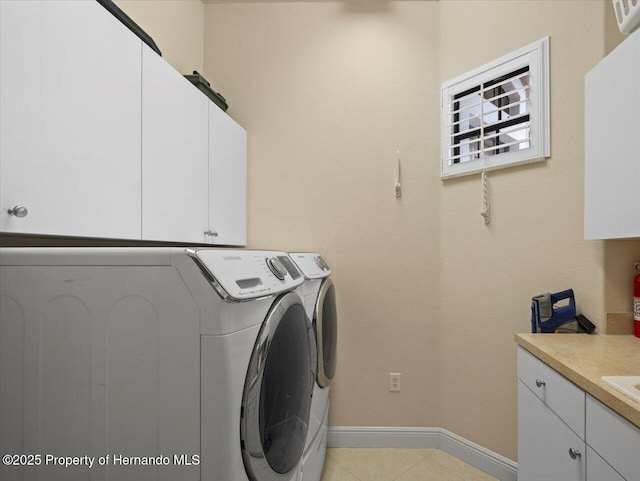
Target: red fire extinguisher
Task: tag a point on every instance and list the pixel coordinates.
(636, 302)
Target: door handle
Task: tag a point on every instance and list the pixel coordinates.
(574, 453)
(19, 211)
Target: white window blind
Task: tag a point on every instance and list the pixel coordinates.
(497, 115)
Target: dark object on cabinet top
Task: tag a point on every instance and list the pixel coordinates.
(130, 24)
(205, 87)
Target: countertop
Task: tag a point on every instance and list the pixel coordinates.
(584, 359)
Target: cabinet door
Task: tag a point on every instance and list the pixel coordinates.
(612, 144)
(544, 442)
(174, 154)
(227, 179)
(69, 120)
(599, 470)
(614, 438)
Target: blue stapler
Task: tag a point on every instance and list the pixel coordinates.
(550, 311)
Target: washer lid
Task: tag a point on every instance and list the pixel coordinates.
(239, 275)
(312, 265)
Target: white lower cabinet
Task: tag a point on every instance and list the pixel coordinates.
(548, 449)
(604, 447)
(599, 469)
(545, 443)
(615, 439)
(564, 398)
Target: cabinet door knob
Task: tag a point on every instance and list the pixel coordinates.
(19, 211)
(574, 453)
(540, 382)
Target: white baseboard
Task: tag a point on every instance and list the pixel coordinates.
(424, 438)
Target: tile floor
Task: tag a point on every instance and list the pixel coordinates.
(357, 464)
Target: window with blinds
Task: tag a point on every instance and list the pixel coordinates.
(497, 115)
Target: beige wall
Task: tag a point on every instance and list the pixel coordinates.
(620, 256)
(328, 93)
(176, 26)
(534, 243)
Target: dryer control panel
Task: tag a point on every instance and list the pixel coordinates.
(239, 275)
(311, 264)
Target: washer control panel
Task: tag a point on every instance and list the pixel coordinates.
(243, 275)
(311, 264)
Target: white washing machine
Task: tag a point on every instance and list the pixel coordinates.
(318, 294)
(157, 363)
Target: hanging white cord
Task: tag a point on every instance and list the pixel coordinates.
(484, 212)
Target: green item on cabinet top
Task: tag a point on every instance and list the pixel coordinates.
(205, 87)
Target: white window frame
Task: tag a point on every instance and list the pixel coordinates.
(536, 56)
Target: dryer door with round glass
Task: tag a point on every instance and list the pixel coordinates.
(326, 327)
(277, 393)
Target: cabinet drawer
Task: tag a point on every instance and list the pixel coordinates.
(562, 396)
(614, 438)
(545, 443)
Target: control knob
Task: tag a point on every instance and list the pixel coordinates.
(321, 263)
(276, 267)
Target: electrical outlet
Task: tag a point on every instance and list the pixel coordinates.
(394, 381)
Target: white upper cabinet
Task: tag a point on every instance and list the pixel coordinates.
(227, 179)
(70, 95)
(612, 144)
(175, 119)
(101, 137)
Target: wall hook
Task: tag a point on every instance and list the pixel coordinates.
(398, 186)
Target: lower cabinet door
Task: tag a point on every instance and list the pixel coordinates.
(614, 438)
(598, 469)
(547, 448)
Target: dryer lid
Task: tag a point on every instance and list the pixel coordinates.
(239, 275)
(326, 328)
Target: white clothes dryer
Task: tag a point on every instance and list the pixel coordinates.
(318, 294)
(190, 364)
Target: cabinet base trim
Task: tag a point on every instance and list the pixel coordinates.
(484, 459)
